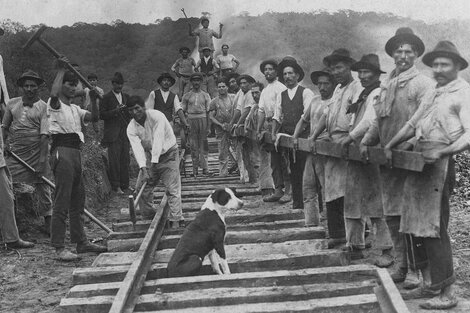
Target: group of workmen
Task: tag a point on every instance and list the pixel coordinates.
(406, 111)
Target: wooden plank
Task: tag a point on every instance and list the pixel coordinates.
(135, 277)
(238, 237)
(353, 273)
(212, 187)
(388, 294)
(158, 270)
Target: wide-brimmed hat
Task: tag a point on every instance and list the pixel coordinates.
(206, 48)
(31, 75)
(266, 62)
(338, 55)
(118, 78)
(247, 77)
(184, 48)
(195, 76)
(316, 74)
(166, 75)
(404, 35)
(368, 61)
(292, 62)
(445, 49)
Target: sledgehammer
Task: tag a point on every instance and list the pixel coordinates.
(45, 44)
(52, 185)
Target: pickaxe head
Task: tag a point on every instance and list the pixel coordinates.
(35, 37)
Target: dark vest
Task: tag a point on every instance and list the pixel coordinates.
(206, 67)
(166, 108)
(292, 110)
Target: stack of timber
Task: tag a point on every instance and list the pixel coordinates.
(277, 264)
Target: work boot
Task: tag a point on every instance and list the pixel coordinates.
(118, 191)
(353, 253)
(334, 242)
(412, 280)
(207, 173)
(66, 256)
(384, 260)
(419, 293)
(87, 246)
(267, 192)
(399, 275)
(278, 193)
(20, 244)
(47, 225)
(287, 197)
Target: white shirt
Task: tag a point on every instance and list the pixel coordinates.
(66, 119)
(155, 136)
(150, 102)
(268, 96)
(118, 97)
(307, 97)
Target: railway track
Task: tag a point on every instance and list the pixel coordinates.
(277, 264)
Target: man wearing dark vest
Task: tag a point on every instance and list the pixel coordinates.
(208, 67)
(116, 118)
(289, 108)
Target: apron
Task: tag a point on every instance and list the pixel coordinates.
(335, 175)
(423, 194)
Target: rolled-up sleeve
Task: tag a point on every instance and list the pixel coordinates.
(150, 102)
(136, 145)
(278, 109)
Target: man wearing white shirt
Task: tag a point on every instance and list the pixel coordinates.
(226, 61)
(155, 149)
(208, 67)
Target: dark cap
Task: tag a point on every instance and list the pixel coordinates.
(368, 61)
(29, 75)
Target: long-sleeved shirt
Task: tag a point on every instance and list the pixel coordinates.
(365, 116)
(214, 64)
(444, 114)
(156, 136)
(150, 102)
(314, 112)
(67, 119)
(268, 98)
(307, 97)
(196, 104)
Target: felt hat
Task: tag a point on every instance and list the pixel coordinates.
(166, 75)
(316, 74)
(266, 62)
(31, 75)
(338, 55)
(183, 49)
(292, 62)
(404, 35)
(248, 78)
(206, 48)
(204, 18)
(445, 49)
(368, 61)
(195, 76)
(118, 78)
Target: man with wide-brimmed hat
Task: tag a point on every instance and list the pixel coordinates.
(441, 126)
(246, 149)
(26, 130)
(205, 35)
(290, 105)
(400, 96)
(313, 180)
(336, 121)
(227, 62)
(363, 198)
(196, 104)
(183, 68)
(116, 118)
(209, 68)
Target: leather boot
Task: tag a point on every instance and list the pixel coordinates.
(287, 197)
(278, 193)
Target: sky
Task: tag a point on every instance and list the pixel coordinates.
(67, 12)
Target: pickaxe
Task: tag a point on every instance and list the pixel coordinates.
(52, 185)
(45, 44)
(182, 10)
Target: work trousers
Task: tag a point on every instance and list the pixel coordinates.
(311, 190)
(434, 252)
(296, 166)
(198, 140)
(208, 85)
(398, 239)
(119, 160)
(43, 192)
(250, 153)
(69, 196)
(224, 152)
(167, 170)
(265, 171)
(335, 218)
(184, 86)
(8, 227)
(355, 228)
(279, 167)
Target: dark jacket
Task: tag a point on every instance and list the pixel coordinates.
(115, 120)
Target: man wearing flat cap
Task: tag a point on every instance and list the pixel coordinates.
(401, 94)
(441, 126)
(363, 198)
(26, 133)
(291, 104)
(183, 68)
(205, 35)
(196, 104)
(336, 121)
(313, 180)
(208, 67)
(116, 118)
